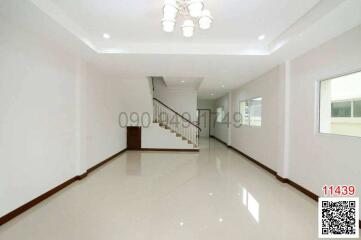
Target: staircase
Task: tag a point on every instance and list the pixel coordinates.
(170, 120)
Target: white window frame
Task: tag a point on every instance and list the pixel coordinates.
(248, 123)
(318, 107)
(222, 114)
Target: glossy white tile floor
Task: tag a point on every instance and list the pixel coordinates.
(212, 195)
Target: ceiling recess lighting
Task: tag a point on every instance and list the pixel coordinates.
(222, 86)
(261, 37)
(188, 28)
(106, 36)
(182, 81)
(188, 9)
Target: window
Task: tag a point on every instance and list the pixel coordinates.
(255, 112)
(341, 109)
(243, 110)
(220, 114)
(251, 112)
(340, 105)
(357, 108)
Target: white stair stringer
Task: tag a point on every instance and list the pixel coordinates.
(156, 136)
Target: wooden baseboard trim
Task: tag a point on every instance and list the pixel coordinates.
(169, 150)
(219, 140)
(105, 161)
(255, 161)
(298, 187)
(281, 179)
(80, 177)
(6, 218)
(32, 203)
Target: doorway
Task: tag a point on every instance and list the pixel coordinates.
(134, 138)
(204, 122)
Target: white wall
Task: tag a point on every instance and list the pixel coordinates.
(137, 98)
(205, 104)
(58, 114)
(104, 136)
(181, 99)
(38, 116)
(318, 159)
(221, 129)
(289, 141)
(261, 143)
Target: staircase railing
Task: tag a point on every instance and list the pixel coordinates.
(174, 121)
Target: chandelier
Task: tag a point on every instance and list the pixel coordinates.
(190, 10)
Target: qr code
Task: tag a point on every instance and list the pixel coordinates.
(338, 217)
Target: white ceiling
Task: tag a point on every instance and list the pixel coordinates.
(138, 23)
(135, 26)
(189, 82)
(228, 54)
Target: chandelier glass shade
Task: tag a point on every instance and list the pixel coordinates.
(168, 24)
(195, 7)
(188, 28)
(170, 9)
(205, 20)
(188, 9)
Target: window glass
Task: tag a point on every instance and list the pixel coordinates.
(255, 112)
(220, 114)
(357, 108)
(340, 105)
(251, 112)
(341, 109)
(243, 111)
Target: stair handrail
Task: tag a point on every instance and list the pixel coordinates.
(177, 114)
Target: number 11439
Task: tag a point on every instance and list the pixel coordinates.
(340, 190)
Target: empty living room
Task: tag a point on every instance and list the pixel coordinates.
(180, 119)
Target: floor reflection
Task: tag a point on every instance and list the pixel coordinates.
(134, 164)
(251, 204)
(211, 195)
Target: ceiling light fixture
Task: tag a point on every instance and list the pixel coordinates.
(261, 37)
(195, 7)
(182, 81)
(188, 28)
(170, 8)
(106, 36)
(168, 24)
(189, 9)
(205, 20)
